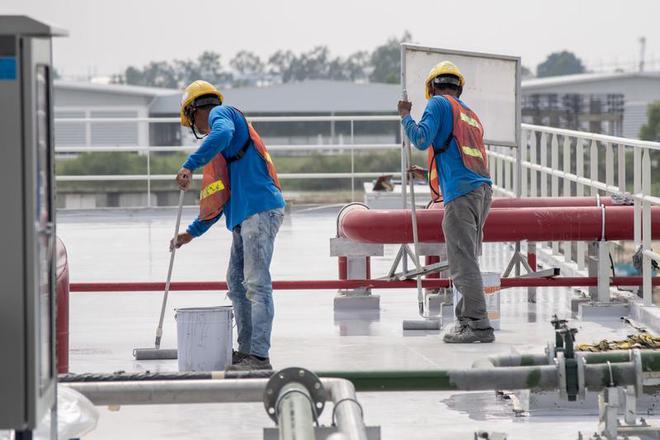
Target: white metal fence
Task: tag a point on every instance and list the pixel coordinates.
(351, 147)
(555, 162)
(551, 162)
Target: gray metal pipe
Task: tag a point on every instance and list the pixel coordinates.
(295, 419)
(347, 410)
(348, 413)
(511, 360)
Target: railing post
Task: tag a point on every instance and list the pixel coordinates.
(554, 154)
(621, 163)
(609, 165)
(579, 189)
(567, 245)
(647, 288)
(148, 176)
(533, 186)
(352, 162)
(544, 164)
(521, 171)
(637, 188)
(593, 165)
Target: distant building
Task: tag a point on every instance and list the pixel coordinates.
(601, 98)
(87, 100)
(307, 98)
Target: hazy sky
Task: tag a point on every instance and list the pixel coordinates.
(107, 36)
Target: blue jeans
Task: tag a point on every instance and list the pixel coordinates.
(248, 279)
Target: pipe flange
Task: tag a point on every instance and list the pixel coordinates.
(639, 372)
(581, 367)
(346, 207)
(301, 376)
(561, 374)
(550, 351)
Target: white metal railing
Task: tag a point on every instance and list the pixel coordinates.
(550, 163)
(542, 173)
(148, 177)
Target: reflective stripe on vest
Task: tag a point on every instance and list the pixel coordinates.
(211, 189)
(474, 152)
(469, 136)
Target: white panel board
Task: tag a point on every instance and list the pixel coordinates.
(491, 87)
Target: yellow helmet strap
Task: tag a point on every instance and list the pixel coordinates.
(202, 101)
(446, 79)
(445, 82)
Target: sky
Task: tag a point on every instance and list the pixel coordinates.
(107, 36)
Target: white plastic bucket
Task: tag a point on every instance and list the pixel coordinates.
(491, 281)
(204, 338)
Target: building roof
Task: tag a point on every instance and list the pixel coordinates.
(584, 77)
(315, 96)
(116, 89)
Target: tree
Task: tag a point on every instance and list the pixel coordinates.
(279, 65)
(247, 63)
(651, 130)
(526, 72)
(560, 63)
(386, 60)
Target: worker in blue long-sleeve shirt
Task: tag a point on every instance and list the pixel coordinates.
(458, 175)
(240, 182)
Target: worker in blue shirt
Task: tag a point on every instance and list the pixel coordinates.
(458, 174)
(253, 206)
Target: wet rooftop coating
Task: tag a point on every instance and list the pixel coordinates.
(118, 245)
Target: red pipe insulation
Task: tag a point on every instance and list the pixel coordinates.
(544, 202)
(502, 225)
(62, 320)
(351, 284)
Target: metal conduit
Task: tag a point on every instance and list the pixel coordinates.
(540, 377)
(348, 413)
(429, 283)
(502, 225)
(295, 419)
(650, 363)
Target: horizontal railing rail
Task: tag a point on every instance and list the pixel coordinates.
(550, 162)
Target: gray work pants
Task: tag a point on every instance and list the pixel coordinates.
(463, 229)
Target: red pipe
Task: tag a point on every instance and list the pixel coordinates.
(543, 202)
(352, 284)
(62, 320)
(502, 225)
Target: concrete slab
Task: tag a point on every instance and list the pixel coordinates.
(646, 315)
(594, 310)
(110, 245)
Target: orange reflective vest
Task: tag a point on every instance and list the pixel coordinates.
(469, 135)
(215, 181)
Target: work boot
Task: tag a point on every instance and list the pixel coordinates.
(237, 356)
(467, 335)
(250, 363)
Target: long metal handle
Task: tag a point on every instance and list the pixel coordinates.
(159, 330)
(421, 299)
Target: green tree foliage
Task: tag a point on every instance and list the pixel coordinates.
(560, 63)
(178, 73)
(525, 72)
(651, 130)
(386, 60)
(381, 65)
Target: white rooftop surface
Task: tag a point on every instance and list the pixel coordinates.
(106, 245)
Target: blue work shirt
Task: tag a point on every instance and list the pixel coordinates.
(252, 188)
(435, 127)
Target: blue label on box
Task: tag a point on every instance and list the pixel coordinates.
(7, 68)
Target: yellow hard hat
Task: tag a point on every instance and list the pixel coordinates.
(191, 93)
(443, 68)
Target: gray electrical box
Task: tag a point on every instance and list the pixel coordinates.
(28, 373)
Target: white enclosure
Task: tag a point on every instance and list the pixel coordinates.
(492, 85)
